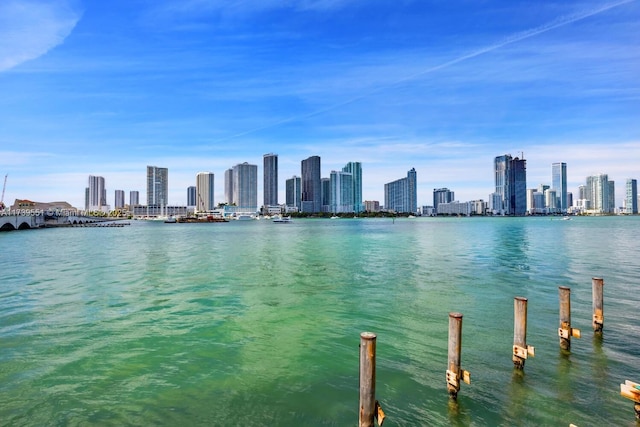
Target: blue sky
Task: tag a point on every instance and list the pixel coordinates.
(109, 87)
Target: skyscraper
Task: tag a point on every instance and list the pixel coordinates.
(270, 179)
(401, 195)
(510, 194)
(341, 192)
(118, 201)
(559, 184)
(293, 192)
(311, 195)
(600, 192)
(134, 198)
(442, 195)
(355, 169)
(228, 186)
(157, 186)
(97, 194)
(204, 192)
(191, 196)
(245, 187)
(325, 189)
(631, 204)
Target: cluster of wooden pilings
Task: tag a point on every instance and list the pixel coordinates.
(370, 410)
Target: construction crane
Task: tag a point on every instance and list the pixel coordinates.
(4, 186)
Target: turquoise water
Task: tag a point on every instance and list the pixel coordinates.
(252, 323)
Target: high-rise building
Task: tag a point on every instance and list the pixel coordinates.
(191, 196)
(401, 195)
(510, 196)
(311, 195)
(157, 186)
(372, 206)
(600, 192)
(134, 199)
(559, 183)
(582, 192)
(270, 179)
(228, 186)
(245, 187)
(325, 189)
(355, 169)
(204, 192)
(631, 204)
(97, 194)
(551, 200)
(118, 201)
(341, 192)
(442, 195)
(293, 192)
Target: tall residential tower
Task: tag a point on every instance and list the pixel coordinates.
(245, 187)
(157, 186)
(355, 169)
(97, 194)
(204, 192)
(401, 195)
(510, 196)
(311, 195)
(270, 180)
(559, 184)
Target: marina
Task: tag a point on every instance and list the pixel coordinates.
(252, 324)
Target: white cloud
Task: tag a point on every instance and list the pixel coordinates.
(31, 28)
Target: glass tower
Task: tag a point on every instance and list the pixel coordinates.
(631, 204)
(355, 169)
(341, 192)
(311, 195)
(510, 196)
(245, 187)
(191, 195)
(559, 184)
(293, 192)
(270, 179)
(157, 186)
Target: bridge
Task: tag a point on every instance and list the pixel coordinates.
(29, 220)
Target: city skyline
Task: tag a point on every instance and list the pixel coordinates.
(106, 90)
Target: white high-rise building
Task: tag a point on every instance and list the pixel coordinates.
(118, 201)
(204, 192)
(600, 192)
(134, 199)
(97, 194)
(341, 192)
(157, 186)
(631, 199)
(355, 169)
(245, 187)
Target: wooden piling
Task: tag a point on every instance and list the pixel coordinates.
(631, 391)
(520, 348)
(454, 373)
(367, 379)
(565, 331)
(597, 285)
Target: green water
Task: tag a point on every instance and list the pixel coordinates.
(251, 323)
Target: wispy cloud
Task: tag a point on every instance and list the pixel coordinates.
(31, 28)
